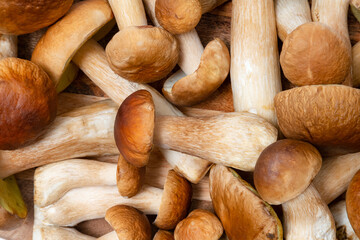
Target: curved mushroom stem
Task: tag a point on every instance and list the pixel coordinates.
(344, 229)
(290, 15)
(255, 69)
(128, 13)
(335, 175)
(308, 217)
(8, 46)
(70, 101)
(42, 232)
(92, 61)
(87, 131)
(87, 203)
(356, 64)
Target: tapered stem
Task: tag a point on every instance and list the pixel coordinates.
(128, 13)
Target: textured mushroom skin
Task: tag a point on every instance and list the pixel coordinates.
(129, 223)
(315, 54)
(25, 16)
(285, 169)
(28, 103)
(322, 115)
(134, 128)
(353, 203)
(142, 54)
(235, 201)
(163, 235)
(200, 224)
(175, 201)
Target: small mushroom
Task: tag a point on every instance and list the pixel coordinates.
(163, 235)
(344, 231)
(128, 223)
(352, 203)
(199, 224)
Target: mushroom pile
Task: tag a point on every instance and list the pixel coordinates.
(284, 164)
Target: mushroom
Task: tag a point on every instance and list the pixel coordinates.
(235, 201)
(344, 230)
(355, 6)
(326, 120)
(28, 102)
(207, 138)
(163, 235)
(352, 203)
(79, 204)
(92, 61)
(128, 223)
(283, 175)
(199, 224)
(255, 71)
(42, 232)
(182, 16)
(140, 53)
(356, 64)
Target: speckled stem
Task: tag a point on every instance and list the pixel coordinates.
(128, 13)
(8, 46)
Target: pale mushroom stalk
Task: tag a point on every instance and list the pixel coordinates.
(109, 236)
(290, 15)
(356, 64)
(92, 61)
(71, 101)
(308, 217)
(42, 232)
(255, 70)
(128, 13)
(8, 46)
(87, 131)
(344, 229)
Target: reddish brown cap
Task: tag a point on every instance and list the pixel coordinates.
(199, 224)
(285, 169)
(134, 128)
(163, 235)
(129, 223)
(28, 102)
(23, 16)
(175, 201)
(315, 54)
(353, 203)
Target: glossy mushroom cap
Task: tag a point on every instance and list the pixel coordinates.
(129, 223)
(134, 128)
(324, 115)
(178, 16)
(285, 169)
(142, 54)
(353, 203)
(163, 235)
(175, 201)
(199, 224)
(129, 178)
(20, 16)
(315, 54)
(28, 102)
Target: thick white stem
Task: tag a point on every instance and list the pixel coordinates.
(255, 69)
(308, 217)
(88, 203)
(92, 61)
(8, 46)
(342, 222)
(290, 15)
(41, 232)
(128, 13)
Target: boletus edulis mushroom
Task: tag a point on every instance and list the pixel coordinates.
(352, 203)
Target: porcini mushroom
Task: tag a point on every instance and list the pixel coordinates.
(326, 120)
(128, 223)
(199, 224)
(182, 16)
(235, 201)
(255, 70)
(343, 227)
(283, 175)
(352, 203)
(170, 205)
(163, 235)
(208, 138)
(356, 64)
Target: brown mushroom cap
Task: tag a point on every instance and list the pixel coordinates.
(20, 16)
(142, 54)
(353, 203)
(129, 178)
(199, 224)
(178, 16)
(285, 169)
(163, 235)
(129, 223)
(175, 201)
(28, 103)
(324, 115)
(315, 54)
(134, 128)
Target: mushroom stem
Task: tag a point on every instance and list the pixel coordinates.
(8, 46)
(356, 64)
(344, 229)
(92, 61)
(231, 139)
(255, 70)
(109, 236)
(70, 101)
(290, 15)
(86, 131)
(335, 175)
(308, 217)
(42, 232)
(128, 13)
